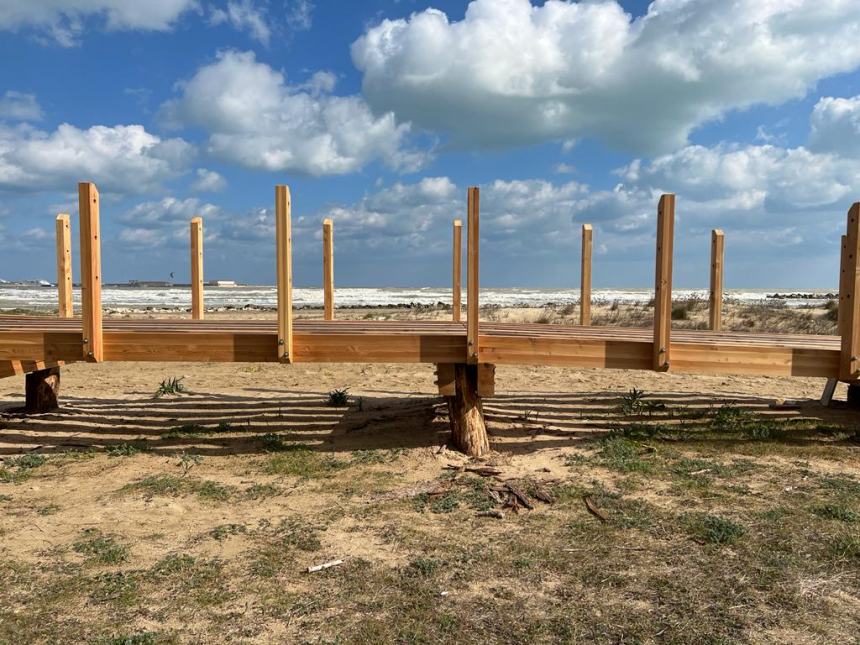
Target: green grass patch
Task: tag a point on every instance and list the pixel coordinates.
(99, 548)
(300, 460)
(836, 512)
(714, 529)
(624, 455)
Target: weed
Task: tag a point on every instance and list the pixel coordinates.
(302, 461)
(170, 387)
(836, 512)
(153, 485)
(714, 529)
(338, 398)
(126, 449)
(185, 431)
(118, 587)
(207, 489)
(138, 638)
(632, 403)
(224, 530)
(423, 567)
(100, 549)
(261, 491)
(622, 454)
(294, 533)
(187, 461)
(50, 509)
(845, 547)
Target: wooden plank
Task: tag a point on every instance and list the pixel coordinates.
(585, 277)
(65, 308)
(445, 379)
(328, 269)
(849, 301)
(828, 392)
(457, 273)
(197, 268)
(473, 350)
(91, 271)
(663, 283)
(716, 300)
(284, 242)
(486, 379)
(843, 274)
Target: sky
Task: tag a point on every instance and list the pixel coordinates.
(380, 114)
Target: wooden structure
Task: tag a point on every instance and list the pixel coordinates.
(197, 268)
(585, 277)
(64, 267)
(716, 293)
(465, 353)
(328, 270)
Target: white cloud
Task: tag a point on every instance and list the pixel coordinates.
(244, 15)
(63, 20)
(300, 15)
(121, 159)
(255, 119)
(208, 181)
(18, 106)
(169, 210)
(512, 73)
(835, 126)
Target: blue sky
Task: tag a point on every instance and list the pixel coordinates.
(380, 114)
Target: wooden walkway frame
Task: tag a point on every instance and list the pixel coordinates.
(716, 292)
(328, 270)
(663, 283)
(65, 309)
(465, 354)
(91, 272)
(197, 268)
(585, 277)
(457, 272)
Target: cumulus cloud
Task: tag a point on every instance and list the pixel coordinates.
(165, 222)
(835, 126)
(208, 181)
(256, 119)
(18, 106)
(63, 20)
(511, 73)
(244, 15)
(121, 159)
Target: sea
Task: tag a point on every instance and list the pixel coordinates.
(265, 297)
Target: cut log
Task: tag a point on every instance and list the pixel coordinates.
(468, 430)
(41, 390)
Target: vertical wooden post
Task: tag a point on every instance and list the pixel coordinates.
(849, 302)
(840, 309)
(197, 268)
(91, 271)
(328, 270)
(717, 252)
(663, 283)
(585, 277)
(64, 266)
(472, 273)
(283, 234)
(457, 272)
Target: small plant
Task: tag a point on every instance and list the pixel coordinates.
(632, 403)
(836, 512)
(187, 461)
(28, 461)
(100, 549)
(126, 449)
(423, 567)
(224, 530)
(831, 310)
(170, 387)
(622, 454)
(339, 398)
(50, 509)
(716, 530)
(139, 638)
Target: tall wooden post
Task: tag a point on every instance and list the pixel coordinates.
(197, 268)
(663, 283)
(64, 266)
(457, 271)
(843, 274)
(91, 271)
(472, 274)
(717, 253)
(328, 269)
(585, 277)
(849, 302)
(283, 234)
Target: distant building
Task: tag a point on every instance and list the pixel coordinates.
(222, 283)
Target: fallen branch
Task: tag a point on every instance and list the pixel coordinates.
(494, 513)
(520, 496)
(594, 510)
(325, 565)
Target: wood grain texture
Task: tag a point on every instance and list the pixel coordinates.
(328, 269)
(65, 308)
(91, 271)
(716, 293)
(197, 269)
(472, 276)
(585, 277)
(663, 283)
(849, 302)
(457, 271)
(284, 243)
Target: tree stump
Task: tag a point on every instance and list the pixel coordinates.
(468, 430)
(42, 388)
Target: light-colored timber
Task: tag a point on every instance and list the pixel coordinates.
(465, 353)
(284, 279)
(716, 294)
(197, 268)
(585, 277)
(328, 270)
(91, 272)
(473, 341)
(65, 308)
(457, 271)
(663, 284)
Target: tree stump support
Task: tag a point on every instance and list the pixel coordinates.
(42, 388)
(462, 386)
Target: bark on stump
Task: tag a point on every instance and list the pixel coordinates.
(41, 390)
(468, 430)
